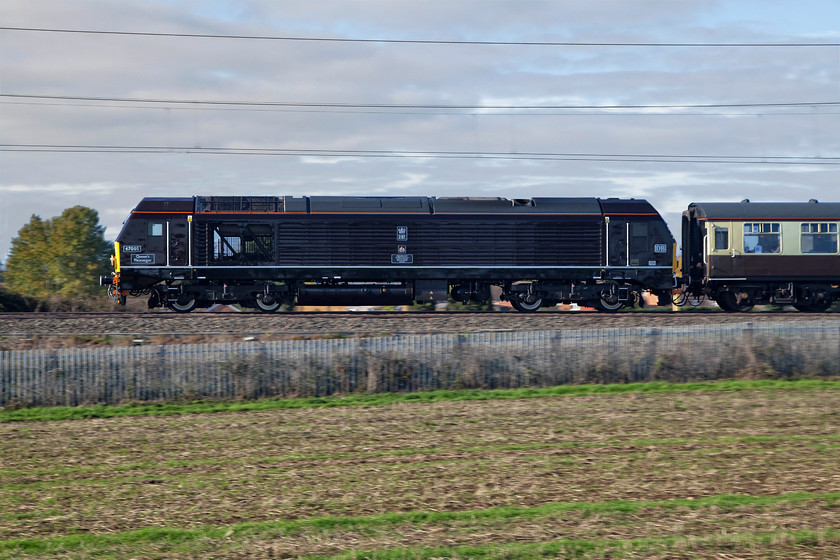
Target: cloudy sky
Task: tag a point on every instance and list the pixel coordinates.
(673, 101)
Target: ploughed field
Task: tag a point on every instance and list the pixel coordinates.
(735, 474)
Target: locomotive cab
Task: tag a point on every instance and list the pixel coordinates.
(152, 247)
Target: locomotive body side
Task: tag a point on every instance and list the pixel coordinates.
(746, 254)
(267, 251)
(445, 238)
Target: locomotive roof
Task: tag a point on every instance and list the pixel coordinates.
(632, 206)
(586, 206)
(159, 204)
(469, 205)
(747, 210)
(449, 205)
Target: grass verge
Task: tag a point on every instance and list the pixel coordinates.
(43, 414)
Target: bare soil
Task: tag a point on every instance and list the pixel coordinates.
(114, 475)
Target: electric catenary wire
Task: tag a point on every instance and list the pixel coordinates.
(532, 156)
(347, 105)
(415, 41)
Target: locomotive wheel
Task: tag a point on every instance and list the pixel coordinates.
(728, 302)
(183, 305)
(525, 304)
(267, 304)
(608, 300)
(609, 305)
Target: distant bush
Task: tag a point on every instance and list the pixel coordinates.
(10, 301)
(14, 302)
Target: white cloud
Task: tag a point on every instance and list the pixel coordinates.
(59, 189)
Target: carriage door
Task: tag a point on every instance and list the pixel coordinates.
(178, 247)
(719, 251)
(694, 251)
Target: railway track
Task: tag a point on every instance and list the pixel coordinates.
(160, 324)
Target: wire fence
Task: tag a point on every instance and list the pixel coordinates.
(290, 368)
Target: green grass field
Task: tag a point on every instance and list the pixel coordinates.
(718, 470)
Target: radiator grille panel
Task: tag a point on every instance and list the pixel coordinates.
(439, 243)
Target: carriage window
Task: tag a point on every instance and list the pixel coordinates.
(721, 238)
(762, 238)
(819, 238)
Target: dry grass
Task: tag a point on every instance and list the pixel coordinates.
(619, 476)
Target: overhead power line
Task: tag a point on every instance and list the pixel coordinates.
(343, 105)
(530, 156)
(414, 41)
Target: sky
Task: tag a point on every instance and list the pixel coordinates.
(671, 101)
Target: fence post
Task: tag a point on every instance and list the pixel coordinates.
(652, 349)
(747, 338)
(371, 384)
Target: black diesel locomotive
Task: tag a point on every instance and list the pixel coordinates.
(264, 252)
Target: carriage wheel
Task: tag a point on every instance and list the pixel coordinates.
(819, 307)
(728, 302)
